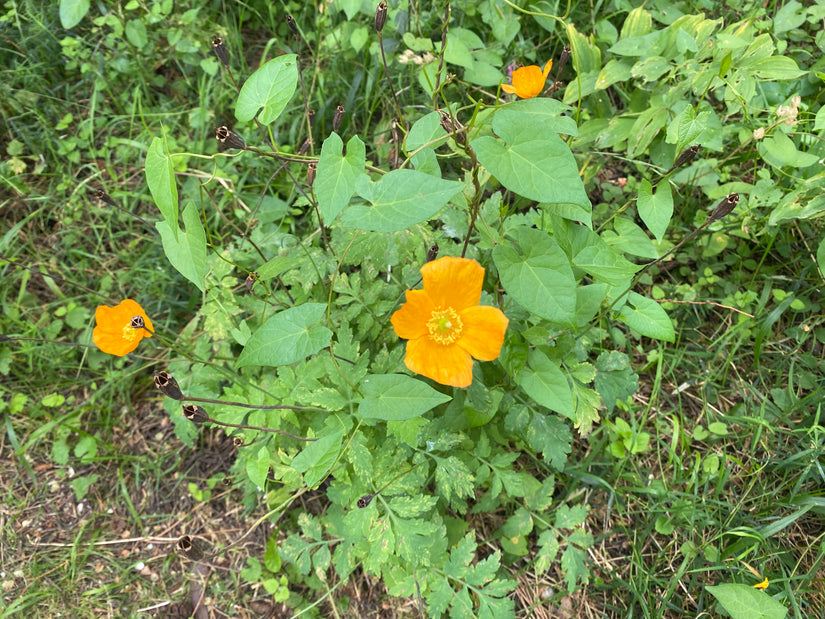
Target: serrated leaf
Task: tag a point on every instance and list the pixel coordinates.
(287, 337)
(268, 90)
(538, 276)
(401, 199)
(655, 209)
(187, 251)
(395, 397)
(743, 602)
(335, 179)
(453, 478)
(573, 567)
(160, 177)
(531, 159)
(647, 317)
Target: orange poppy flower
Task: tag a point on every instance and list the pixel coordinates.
(114, 333)
(528, 81)
(445, 325)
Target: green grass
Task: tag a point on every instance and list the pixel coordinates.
(95, 488)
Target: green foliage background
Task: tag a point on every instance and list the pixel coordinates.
(630, 391)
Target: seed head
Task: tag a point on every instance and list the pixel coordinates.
(220, 50)
(167, 384)
(380, 16)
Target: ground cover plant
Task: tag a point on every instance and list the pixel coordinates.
(383, 309)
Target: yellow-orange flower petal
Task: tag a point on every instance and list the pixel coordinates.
(528, 81)
(410, 321)
(453, 282)
(113, 333)
(448, 365)
(762, 585)
(484, 328)
(444, 324)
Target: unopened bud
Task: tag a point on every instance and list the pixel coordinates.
(311, 173)
(195, 414)
(167, 384)
(380, 16)
(228, 139)
(364, 501)
(432, 253)
(189, 548)
(724, 207)
(290, 21)
(220, 50)
(339, 116)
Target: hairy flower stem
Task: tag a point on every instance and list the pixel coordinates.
(389, 82)
(255, 406)
(444, 30)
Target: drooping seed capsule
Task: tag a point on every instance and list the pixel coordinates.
(290, 21)
(189, 548)
(311, 115)
(364, 501)
(311, 173)
(565, 56)
(452, 126)
(305, 146)
(195, 414)
(380, 16)
(432, 253)
(727, 204)
(104, 197)
(220, 50)
(228, 139)
(167, 384)
(250, 281)
(339, 116)
(685, 157)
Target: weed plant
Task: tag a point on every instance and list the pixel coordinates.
(326, 212)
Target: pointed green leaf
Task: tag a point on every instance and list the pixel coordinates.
(655, 209)
(336, 175)
(647, 317)
(160, 176)
(187, 253)
(270, 87)
(531, 159)
(394, 397)
(72, 12)
(545, 383)
(399, 200)
(317, 457)
(538, 276)
(744, 602)
(258, 468)
(287, 337)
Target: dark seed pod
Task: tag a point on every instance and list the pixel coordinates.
(305, 146)
(685, 157)
(238, 442)
(364, 501)
(137, 322)
(724, 207)
(339, 116)
(167, 384)
(311, 173)
(103, 197)
(290, 21)
(228, 139)
(195, 414)
(220, 50)
(250, 281)
(311, 115)
(189, 548)
(432, 253)
(565, 56)
(452, 126)
(380, 16)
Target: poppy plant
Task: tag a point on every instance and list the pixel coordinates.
(445, 325)
(119, 329)
(528, 81)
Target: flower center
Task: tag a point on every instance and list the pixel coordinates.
(129, 334)
(445, 326)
